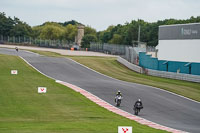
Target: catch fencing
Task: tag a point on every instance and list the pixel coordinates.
(114, 49)
(131, 55)
(127, 52)
(28, 41)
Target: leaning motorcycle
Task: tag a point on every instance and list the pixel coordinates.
(118, 100)
(137, 108)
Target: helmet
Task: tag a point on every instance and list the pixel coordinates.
(139, 100)
(118, 92)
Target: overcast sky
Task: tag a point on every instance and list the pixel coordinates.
(99, 14)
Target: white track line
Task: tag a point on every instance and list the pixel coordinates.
(110, 107)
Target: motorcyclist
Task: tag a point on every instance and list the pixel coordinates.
(16, 48)
(118, 94)
(140, 102)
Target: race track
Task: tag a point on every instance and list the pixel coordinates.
(159, 106)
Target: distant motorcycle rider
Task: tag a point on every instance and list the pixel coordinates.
(138, 102)
(118, 94)
(16, 48)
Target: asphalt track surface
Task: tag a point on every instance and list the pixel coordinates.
(159, 106)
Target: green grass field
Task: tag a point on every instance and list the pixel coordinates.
(109, 66)
(60, 110)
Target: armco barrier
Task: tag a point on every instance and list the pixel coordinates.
(171, 75)
(130, 65)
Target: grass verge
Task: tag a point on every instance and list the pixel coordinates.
(109, 66)
(60, 110)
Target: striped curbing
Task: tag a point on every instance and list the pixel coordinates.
(118, 111)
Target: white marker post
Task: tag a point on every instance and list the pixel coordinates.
(42, 89)
(14, 72)
(124, 129)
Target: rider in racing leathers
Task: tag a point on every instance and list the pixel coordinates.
(140, 102)
(118, 94)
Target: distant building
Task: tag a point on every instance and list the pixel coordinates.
(179, 42)
(80, 34)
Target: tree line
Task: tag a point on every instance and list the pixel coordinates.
(46, 31)
(124, 34)
(128, 33)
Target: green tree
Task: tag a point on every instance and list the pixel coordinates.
(13, 27)
(20, 28)
(52, 32)
(70, 32)
(117, 39)
(106, 35)
(89, 30)
(36, 31)
(87, 39)
(129, 31)
(72, 22)
(6, 24)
